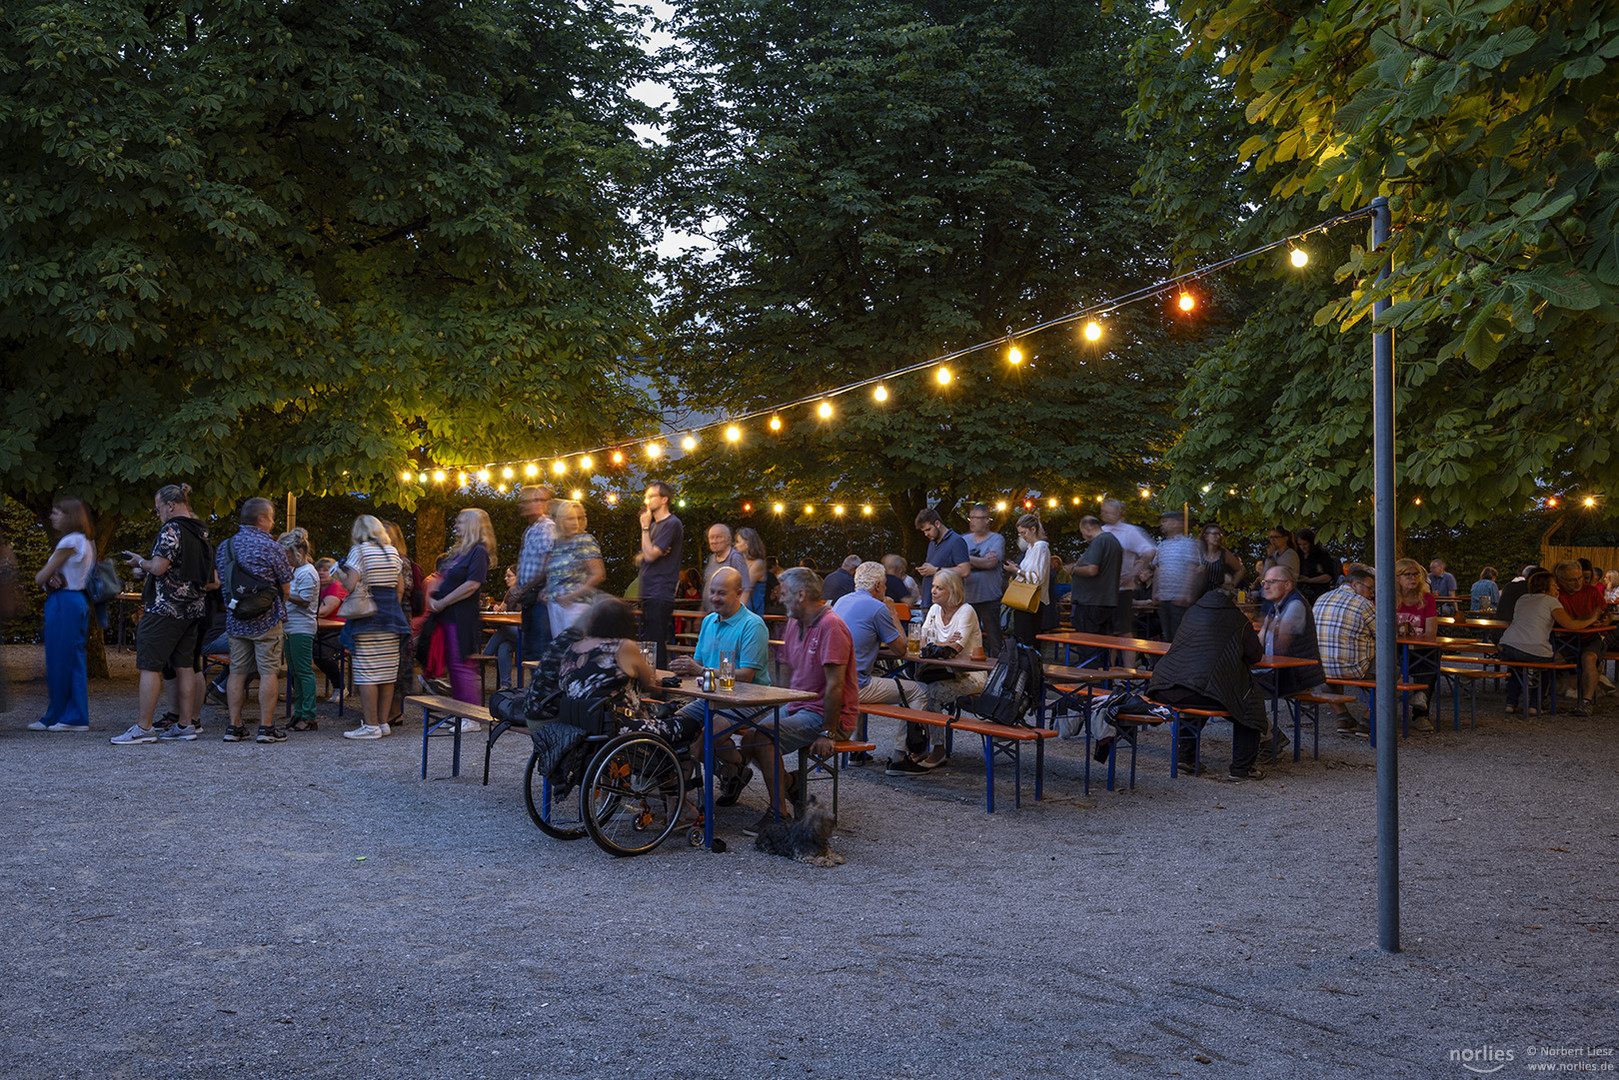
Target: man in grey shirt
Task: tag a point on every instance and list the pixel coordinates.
(986, 550)
(1095, 579)
(722, 553)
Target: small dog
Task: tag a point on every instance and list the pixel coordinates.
(804, 839)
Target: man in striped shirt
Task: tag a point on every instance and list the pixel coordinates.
(1346, 635)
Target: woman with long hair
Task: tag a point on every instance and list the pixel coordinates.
(1036, 568)
(752, 549)
(373, 640)
(64, 577)
(1416, 615)
(1284, 551)
(1217, 561)
(455, 600)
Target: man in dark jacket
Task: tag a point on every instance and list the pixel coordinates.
(1207, 667)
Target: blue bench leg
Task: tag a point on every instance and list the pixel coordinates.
(989, 775)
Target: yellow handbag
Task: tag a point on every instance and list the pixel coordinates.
(1022, 595)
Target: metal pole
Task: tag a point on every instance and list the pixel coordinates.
(1388, 805)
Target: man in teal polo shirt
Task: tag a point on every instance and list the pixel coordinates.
(730, 629)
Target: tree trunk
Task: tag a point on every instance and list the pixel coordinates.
(429, 533)
(906, 503)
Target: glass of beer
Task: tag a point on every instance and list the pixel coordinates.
(727, 671)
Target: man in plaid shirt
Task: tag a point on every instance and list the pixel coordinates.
(1346, 633)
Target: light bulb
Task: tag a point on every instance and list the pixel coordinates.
(838, 510)
(483, 476)
(501, 488)
(506, 472)
(653, 450)
(1076, 500)
(585, 462)
(775, 423)
(778, 508)
(1000, 507)
(1187, 302)
(618, 457)
(438, 476)
(825, 410)
(461, 478)
(943, 375)
(1014, 355)
(1552, 502)
(688, 443)
(612, 498)
(559, 467)
(733, 433)
(404, 477)
(421, 478)
(747, 508)
(576, 495)
(881, 393)
(1093, 331)
(866, 510)
(532, 470)
(1590, 501)
(1051, 504)
(1300, 257)
(809, 509)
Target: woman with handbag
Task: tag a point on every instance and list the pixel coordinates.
(1031, 585)
(373, 621)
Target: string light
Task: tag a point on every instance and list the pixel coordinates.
(775, 423)
(1187, 301)
(483, 476)
(732, 433)
(1590, 501)
(507, 472)
(653, 450)
(421, 478)
(1417, 500)
(747, 508)
(404, 477)
(618, 457)
(880, 394)
(612, 498)
(1299, 257)
(943, 375)
(689, 443)
(532, 470)
(1014, 355)
(809, 510)
(778, 508)
(1076, 500)
(438, 476)
(559, 466)
(825, 410)
(1051, 504)
(585, 463)
(1093, 331)
(866, 510)
(1551, 503)
(501, 488)
(838, 509)
(576, 495)
(1000, 507)
(462, 479)
(1146, 493)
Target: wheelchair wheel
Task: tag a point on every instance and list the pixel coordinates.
(556, 814)
(633, 792)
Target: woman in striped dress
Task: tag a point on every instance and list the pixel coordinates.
(373, 641)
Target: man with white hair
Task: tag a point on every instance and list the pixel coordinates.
(840, 582)
(876, 632)
(722, 553)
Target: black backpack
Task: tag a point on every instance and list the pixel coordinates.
(1013, 686)
(247, 596)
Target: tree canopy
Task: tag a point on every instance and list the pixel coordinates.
(1490, 126)
(299, 246)
(884, 183)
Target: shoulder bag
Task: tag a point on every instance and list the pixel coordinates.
(1022, 595)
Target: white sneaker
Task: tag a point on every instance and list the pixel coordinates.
(1571, 694)
(68, 727)
(364, 731)
(135, 734)
(468, 726)
(39, 725)
(385, 729)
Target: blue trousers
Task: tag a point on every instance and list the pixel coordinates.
(67, 678)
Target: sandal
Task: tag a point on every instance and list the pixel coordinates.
(304, 725)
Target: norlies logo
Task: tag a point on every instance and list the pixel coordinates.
(1482, 1059)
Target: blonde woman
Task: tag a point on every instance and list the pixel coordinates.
(1416, 615)
(574, 569)
(1036, 568)
(373, 640)
(455, 600)
(952, 622)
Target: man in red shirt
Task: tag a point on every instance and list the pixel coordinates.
(819, 650)
(1583, 601)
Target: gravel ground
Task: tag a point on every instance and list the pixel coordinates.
(316, 909)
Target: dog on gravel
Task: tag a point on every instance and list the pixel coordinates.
(805, 839)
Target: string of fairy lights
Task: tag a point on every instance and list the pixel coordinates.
(556, 469)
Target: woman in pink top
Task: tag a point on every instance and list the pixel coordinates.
(1416, 615)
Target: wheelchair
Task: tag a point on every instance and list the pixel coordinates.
(627, 796)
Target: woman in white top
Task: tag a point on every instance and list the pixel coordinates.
(1036, 568)
(373, 640)
(1529, 637)
(64, 577)
(299, 626)
(952, 621)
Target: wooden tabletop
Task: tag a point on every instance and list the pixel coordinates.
(502, 618)
(328, 624)
(1468, 620)
(701, 614)
(1107, 641)
(749, 695)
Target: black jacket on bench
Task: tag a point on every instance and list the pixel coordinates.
(1210, 657)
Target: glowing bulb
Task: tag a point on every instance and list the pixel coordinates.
(1093, 331)
(532, 470)
(1231, 491)
(1418, 500)
(880, 394)
(775, 423)
(507, 473)
(559, 467)
(483, 476)
(808, 509)
(1076, 500)
(585, 462)
(421, 478)
(612, 498)
(1051, 504)
(653, 450)
(943, 375)
(1000, 507)
(866, 510)
(1099, 498)
(576, 495)
(778, 508)
(747, 508)
(461, 478)
(1552, 502)
(733, 433)
(1186, 301)
(688, 443)
(438, 476)
(838, 510)
(1590, 502)
(501, 488)
(404, 477)
(1028, 504)
(825, 410)
(1014, 355)
(681, 503)
(1300, 257)
(1146, 493)
(618, 457)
